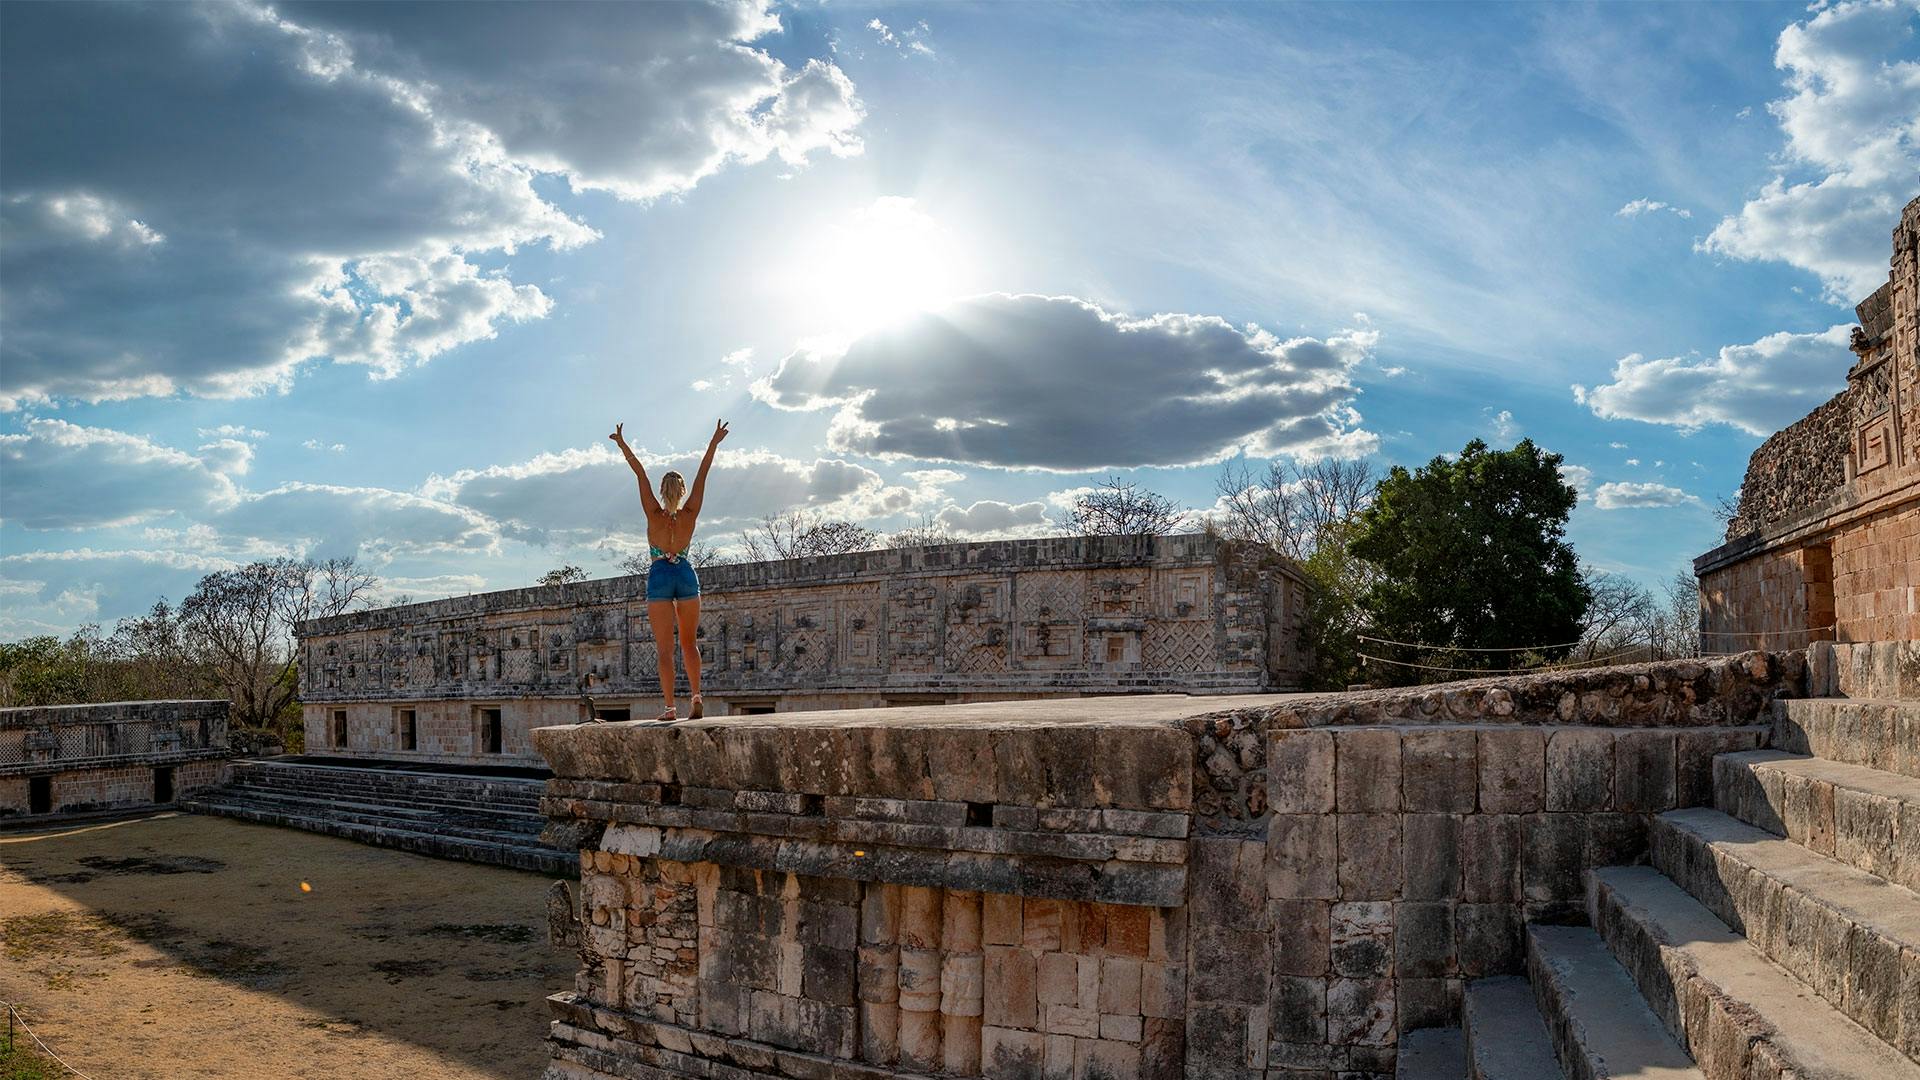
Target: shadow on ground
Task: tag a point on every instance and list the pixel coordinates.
(186, 946)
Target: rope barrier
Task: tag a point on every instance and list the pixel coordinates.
(1462, 648)
(1568, 666)
(15, 1016)
(1768, 633)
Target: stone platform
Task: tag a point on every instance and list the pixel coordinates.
(476, 817)
(1273, 887)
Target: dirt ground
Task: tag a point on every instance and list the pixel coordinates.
(180, 946)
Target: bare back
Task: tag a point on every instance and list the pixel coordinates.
(671, 533)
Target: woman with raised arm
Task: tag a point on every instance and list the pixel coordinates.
(673, 588)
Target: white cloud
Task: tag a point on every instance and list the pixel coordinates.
(324, 520)
(1641, 207)
(63, 476)
(230, 456)
(908, 41)
(1852, 126)
(1758, 388)
(992, 518)
(1054, 382)
(316, 444)
(1501, 424)
(231, 431)
(53, 591)
(214, 256)
(1617, 495)
(1578, 477)
(578, 496)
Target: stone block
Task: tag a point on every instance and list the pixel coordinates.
(1362, 939)
(1425, 1003)
(960, 1044)
(1512, 770)
(1058, 977)
(1120, 986)
(1163, 1049)
(1360, 1012)
(878, 975)
(1057, 1063)
(1121, 1028)
(1129, 929)
(1041, 924)
(1300, 771)
(1645, 773)
(1302, 856)
(1012, 988)
(1299, 1011)
(919, 980)
(1226, 968)
(1301, 937)
(828, 975)
(1490, 854)
(960, 921)
(1071, 1020)
(1555, 846)
(962, 766)
(1370, 860)
(1367, 770)
(1431, 850)
(1163, 990)
(919, 1040)
(1000, 921)
(1439, 770)
(1423, 940)
(920, 917)
(1580, 769)
(962, 983)
(1225, 877)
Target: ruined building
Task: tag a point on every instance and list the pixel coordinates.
(467, 679)
(1826, 545)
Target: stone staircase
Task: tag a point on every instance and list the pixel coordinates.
(1774, 934)
(476, 818)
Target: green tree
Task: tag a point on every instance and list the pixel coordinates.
(1471, 553)
(1336, 614)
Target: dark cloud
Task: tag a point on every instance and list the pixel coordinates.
(200, 197)
(1057, 383)
(64, 476)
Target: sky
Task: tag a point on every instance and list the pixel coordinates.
(320, 279)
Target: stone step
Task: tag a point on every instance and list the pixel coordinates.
(1882, 735)
(420, 799)
(1506, 1039)
(1865, 818)
(499, 828)
(1600, 1026)
(1438, 1053)
(1841, 930)
(1865, 669)
(390, 780)
(520, 856)
(1738, 1014)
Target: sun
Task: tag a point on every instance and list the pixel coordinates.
(877, 265)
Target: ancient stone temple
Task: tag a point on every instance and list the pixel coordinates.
(1826, 545)
(68, 759)
(467, 679)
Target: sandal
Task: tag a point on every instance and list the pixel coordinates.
(699, 708)
(666, 717)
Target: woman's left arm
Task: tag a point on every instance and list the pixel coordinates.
(700, 479)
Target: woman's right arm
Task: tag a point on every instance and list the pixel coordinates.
(647, 500)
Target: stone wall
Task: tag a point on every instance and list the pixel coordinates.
(72, 758)
(1799, 467)
(1006, 620)
(1827, 541)
(1269, 887)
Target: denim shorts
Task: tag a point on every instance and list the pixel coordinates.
(672, 579)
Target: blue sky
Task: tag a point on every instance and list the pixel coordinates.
(325, 279)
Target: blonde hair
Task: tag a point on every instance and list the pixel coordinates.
(673, 491)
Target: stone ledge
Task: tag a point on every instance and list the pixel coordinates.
(619, 1045)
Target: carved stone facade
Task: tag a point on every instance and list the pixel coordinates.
(64, 759)
(1827, 542)
(468, 678)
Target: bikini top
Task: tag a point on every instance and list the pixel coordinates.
(670, 556)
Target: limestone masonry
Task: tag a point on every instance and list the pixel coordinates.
(1826, 545)
(73, 758)
(467, 679)
(1275, 887)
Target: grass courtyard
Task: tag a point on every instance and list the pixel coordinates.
(180, 946)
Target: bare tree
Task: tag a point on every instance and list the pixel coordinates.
(565, 575)
(798, 534)
(1287, 506)
(1619, 619)
(926, 532)
(700, 553)
(1677, 620)
(1119, 507)
(245, 621)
